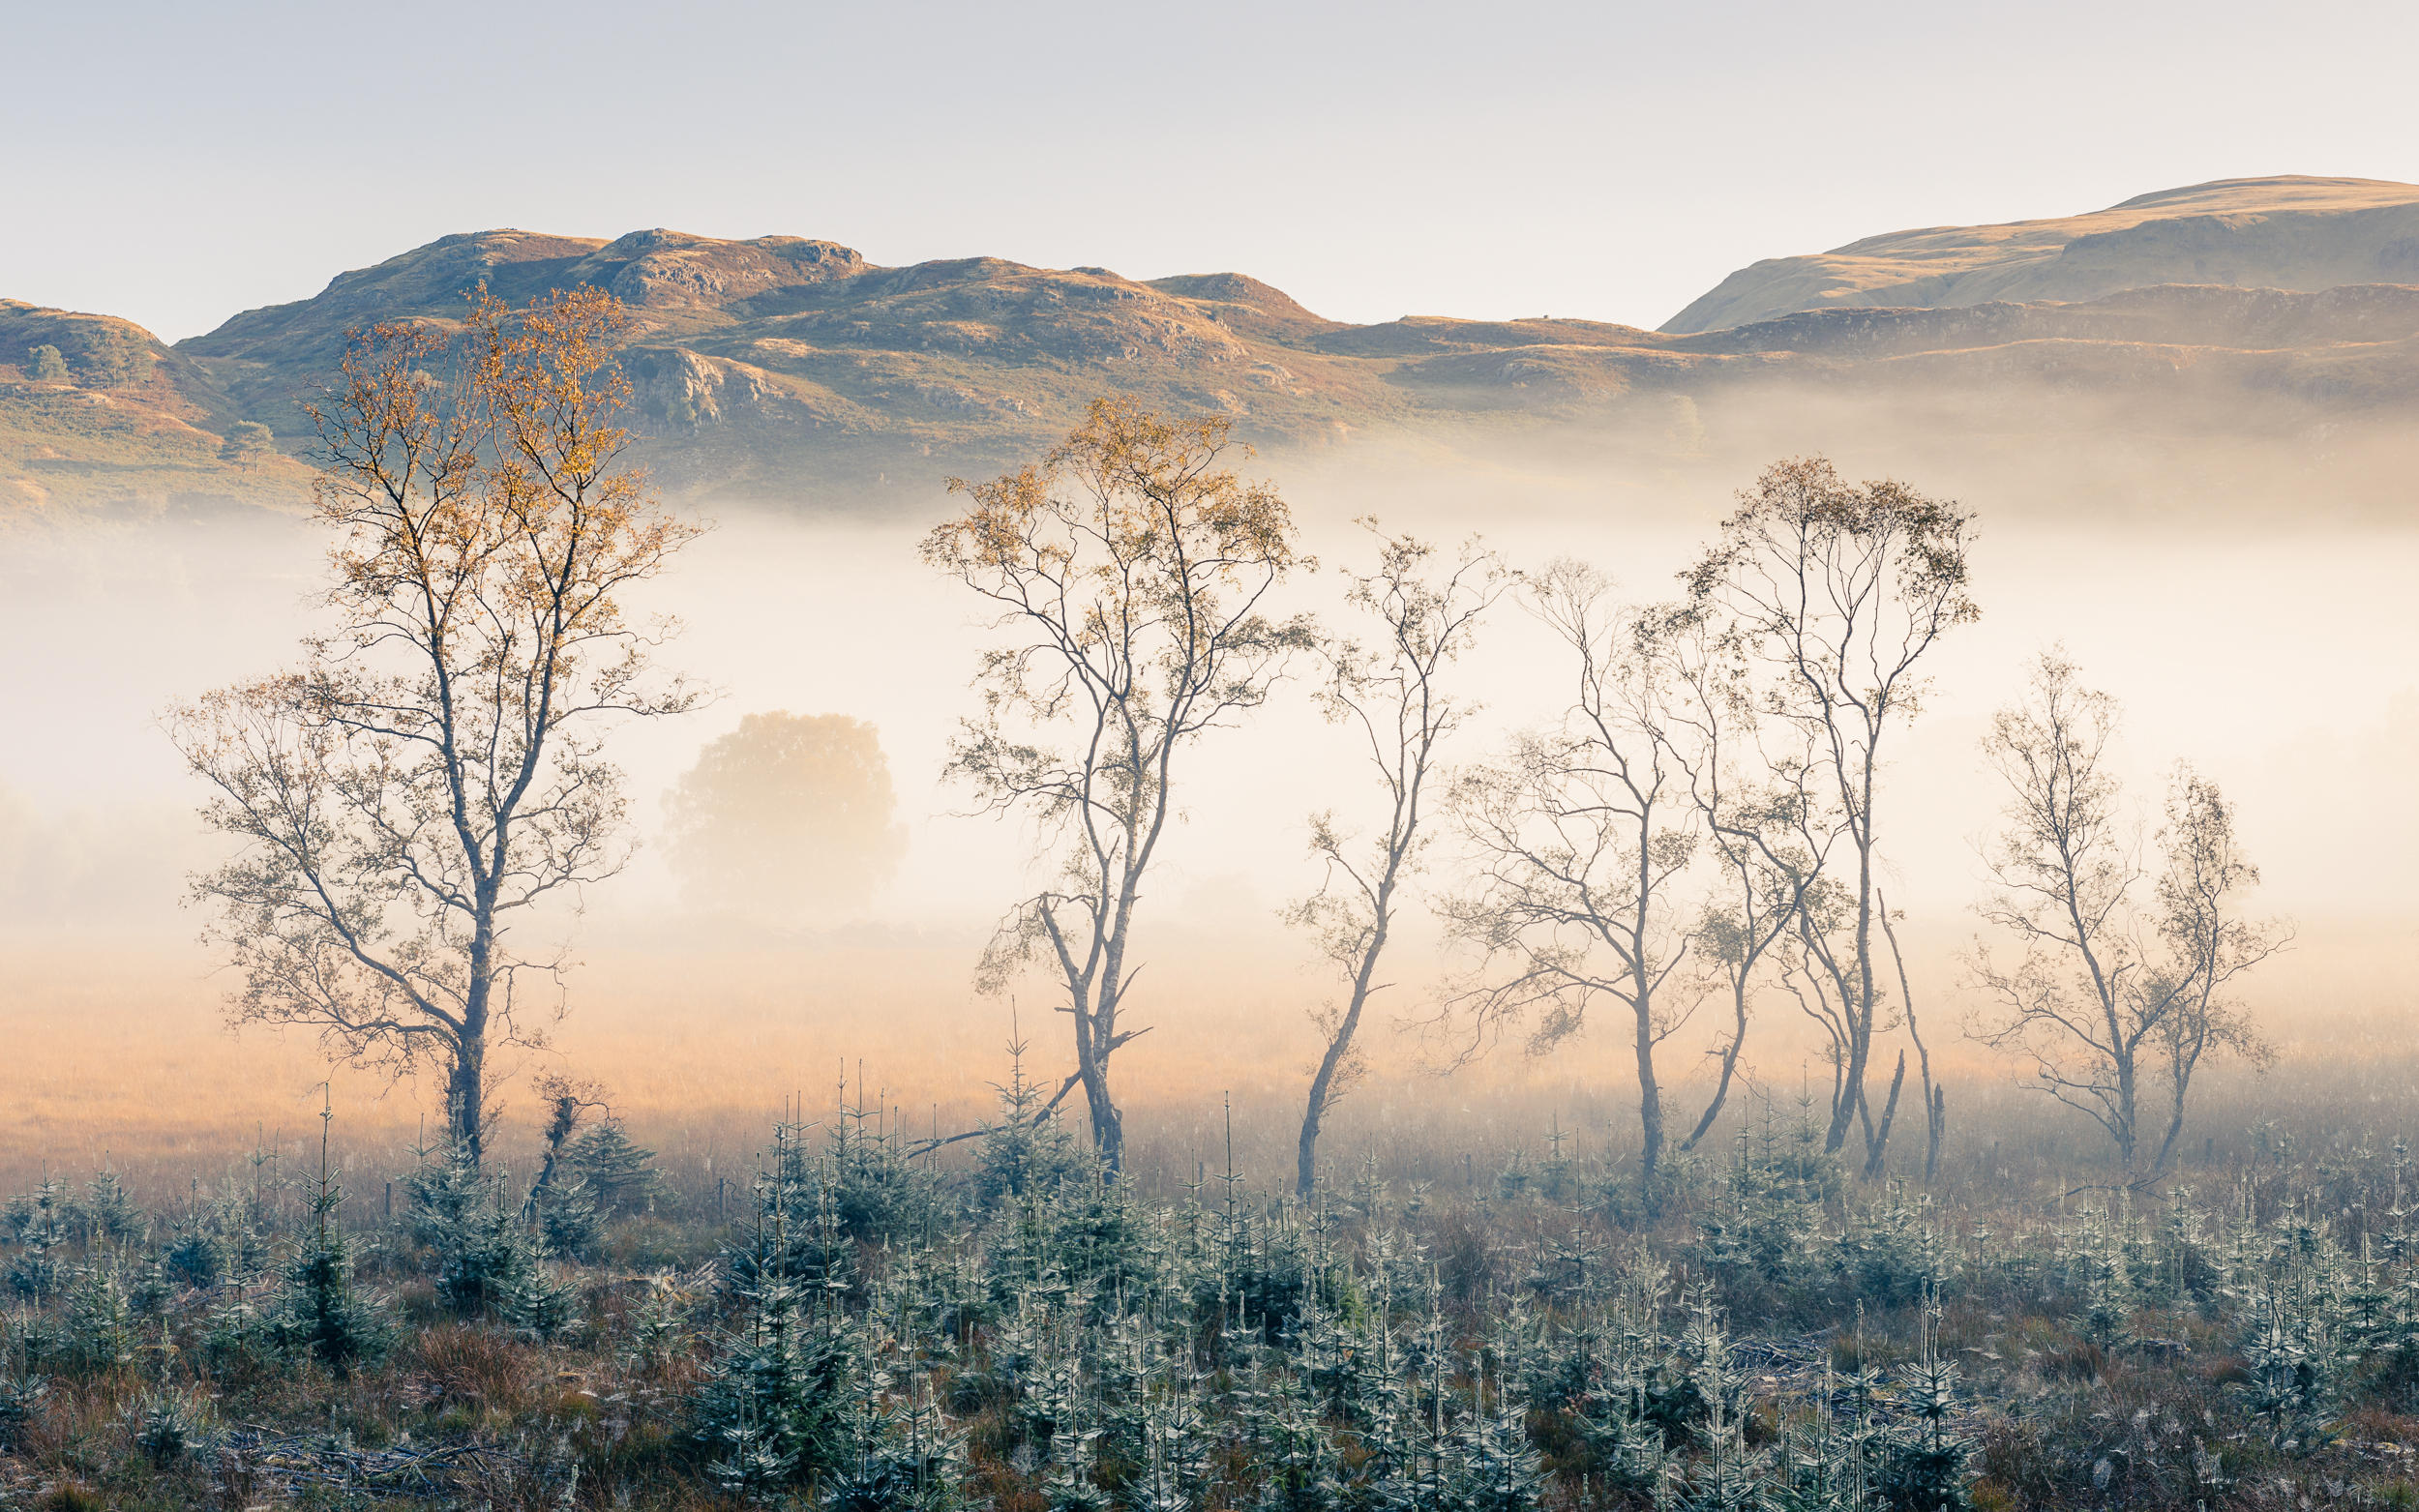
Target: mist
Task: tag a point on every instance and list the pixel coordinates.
(2264, 635)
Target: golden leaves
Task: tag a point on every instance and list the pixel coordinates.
(1134, 487)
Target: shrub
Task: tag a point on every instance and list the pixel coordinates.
(169, 1427)
(20, 1403)
(247, 443)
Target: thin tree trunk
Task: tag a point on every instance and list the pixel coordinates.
(1730, 1064)
(2183, 1064)
(465, 1087)
(2176, 1126)
(465, 1091)
(1091, 1068)
(2128, 1101)
(1877, 1143)
(1934, 1104)
(1938, 1125)
(1306, 1154)
(1860, 1013)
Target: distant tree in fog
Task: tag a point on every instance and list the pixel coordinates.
(1579, 841)
(436, 766)
(1836, 594)
(2118, 976)
(1128, 570)
(788, 817)
(1390, 695)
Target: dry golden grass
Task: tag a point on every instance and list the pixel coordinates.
(119, 1058)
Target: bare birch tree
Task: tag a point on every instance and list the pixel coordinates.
(1128, 570)
(2208, 943)
(1839, 593)
(436, 767)
(2108, 991)
(1578, 841)
(2080, 1002)
(1391, 696)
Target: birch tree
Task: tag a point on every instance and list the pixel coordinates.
(2118, 976)
(1129, 571)
(1390, 696)
(1840, 593)
(2209, 942)
(1578, 841)
(1746, 779)
(435, 768)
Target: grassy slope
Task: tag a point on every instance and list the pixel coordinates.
(129, 425)
(2289, 232)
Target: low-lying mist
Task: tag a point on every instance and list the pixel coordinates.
(2254, 618)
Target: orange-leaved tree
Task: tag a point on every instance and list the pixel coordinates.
(436, 766)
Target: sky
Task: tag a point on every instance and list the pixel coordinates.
(177, 164)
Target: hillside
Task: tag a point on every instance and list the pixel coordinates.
(2286, 233)
(796, 373)
(97, 412)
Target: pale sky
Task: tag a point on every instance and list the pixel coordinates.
(176, 163)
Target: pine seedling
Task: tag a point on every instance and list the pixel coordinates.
(38, 1223)
(570, 1222)
(169, 1427)
(619, 1172)
(106, 1213)
(323, 1314)
(771, 1399)
(97, 1331)
(541, 1305)
(1924, 1462)
(21, 1395)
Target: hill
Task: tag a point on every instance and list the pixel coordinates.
(798, 374)
(97, 411)
(2287, 232)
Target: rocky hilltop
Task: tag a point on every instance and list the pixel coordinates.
(796, 373)
(2286, 233)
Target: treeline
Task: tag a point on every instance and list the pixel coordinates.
(1703, 822)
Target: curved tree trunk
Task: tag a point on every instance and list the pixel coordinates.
(1877, 1140)
(1091, 1068)
(1339, 1046)
(1730, 1065)
(1935, 1101)
(1306, 1151)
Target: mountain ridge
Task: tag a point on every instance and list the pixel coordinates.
(795, 370)
(2289, 231)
